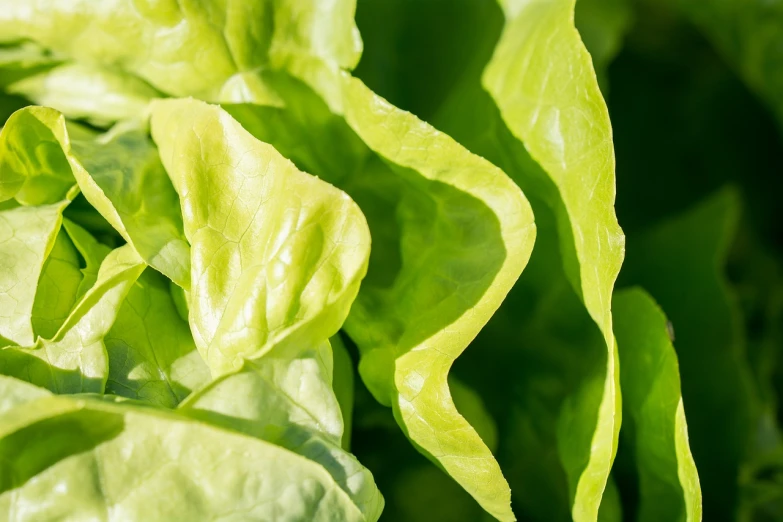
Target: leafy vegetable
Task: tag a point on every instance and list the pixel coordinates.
(656, 417)
(215, 215)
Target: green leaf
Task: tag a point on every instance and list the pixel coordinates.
(654, 415)
(146, 464)
(462, 234)
(538, 113)
(680, 262)
(121, 175)
(152, 356)
(150, 40)
(285, 397)
(27, 236)
(75, 360)
(87, 92)
(58, 287)
(33, 167)
(472, 407)
(277, 255)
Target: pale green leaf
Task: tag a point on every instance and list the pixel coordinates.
(115, 460)
(285, 397)
(33, 167)
(75, 360)
(277, 255)
(27, 235)
(87, 92)
(650, 379)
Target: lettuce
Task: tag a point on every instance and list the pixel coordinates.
(304, 260)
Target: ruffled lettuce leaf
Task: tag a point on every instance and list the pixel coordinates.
(526, 98)
(681, 262)
(33, 168)
(84, 91)
(277, 255)
(125, 44)
(566, 130)
(27, 237)
(239, 50)
(75, 359)
(654, 417)
(119, 173)
(461, 234)
(205, 471)
(277, 259)
(287, 399)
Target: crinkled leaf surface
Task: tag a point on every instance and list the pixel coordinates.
(121, 175)
(277, 255)
(285, 397)
(152, 356)
(654, 416)
(207, 472)
(461, 235)
(230, 40)
(75, 359)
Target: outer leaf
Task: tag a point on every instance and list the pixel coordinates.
(27, 235)
(229, 475)
(285, 398)
(544, 101)
(462, 235)
(87, 92)
(149, 40)
(653, 404)
(119, 173)
(75, 359)
(152, 356)
(277, 255)
(680, 263)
